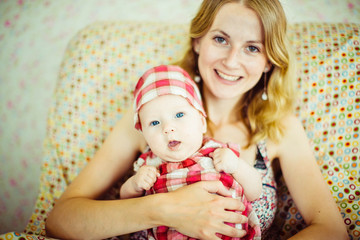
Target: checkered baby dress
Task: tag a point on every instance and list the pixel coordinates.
(198, 167)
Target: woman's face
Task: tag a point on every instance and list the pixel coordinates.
(232, 55)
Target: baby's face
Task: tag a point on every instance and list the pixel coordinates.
(172, 127)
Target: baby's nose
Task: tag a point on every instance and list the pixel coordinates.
(168, 129)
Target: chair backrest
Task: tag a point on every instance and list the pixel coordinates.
(328, 73)
(98, 73)
(103, 62)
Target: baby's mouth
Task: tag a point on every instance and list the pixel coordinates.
(174, 145)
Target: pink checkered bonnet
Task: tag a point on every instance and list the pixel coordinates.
(164, 80)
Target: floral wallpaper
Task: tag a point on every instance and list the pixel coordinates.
(33, 37)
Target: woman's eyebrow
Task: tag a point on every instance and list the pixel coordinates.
(255, 41)
(221, 31)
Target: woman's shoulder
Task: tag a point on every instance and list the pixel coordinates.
(293, 134)
(124, 130)
(292, 127)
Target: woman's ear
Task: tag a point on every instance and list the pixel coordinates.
(267, 67)
(196, 45)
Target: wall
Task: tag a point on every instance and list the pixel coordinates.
(33, 37)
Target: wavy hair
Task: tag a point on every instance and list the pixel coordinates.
(261, 118)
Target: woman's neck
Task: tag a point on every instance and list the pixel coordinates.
(220, 111)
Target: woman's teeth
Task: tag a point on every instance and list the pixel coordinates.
(228, 77)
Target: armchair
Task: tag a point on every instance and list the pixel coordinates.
(103, 62)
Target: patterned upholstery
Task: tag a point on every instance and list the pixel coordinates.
(328, 63)
(103, 62)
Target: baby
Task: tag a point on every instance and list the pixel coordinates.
(171, 117)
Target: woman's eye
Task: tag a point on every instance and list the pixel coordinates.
(253, 49)
(154, 123)
(179, 115)
(220, 40)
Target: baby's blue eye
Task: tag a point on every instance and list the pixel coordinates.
(179, 115)
(154, 123)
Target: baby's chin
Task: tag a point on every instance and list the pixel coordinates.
(167, 159)
(176, 157)
(179, 153)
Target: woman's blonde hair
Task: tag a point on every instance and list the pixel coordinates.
(262, 118)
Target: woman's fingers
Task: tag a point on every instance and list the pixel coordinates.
(217, 226)
(209, 212)
(234, 204)
(215, 187)
(232, 231)
(218, 188)
(230, 210)
(234, 217)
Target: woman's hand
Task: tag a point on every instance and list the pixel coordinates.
(201, 210)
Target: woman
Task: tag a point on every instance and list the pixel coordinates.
(240, 53)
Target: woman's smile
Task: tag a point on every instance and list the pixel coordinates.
(227, 77)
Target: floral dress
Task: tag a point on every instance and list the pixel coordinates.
(266, 205)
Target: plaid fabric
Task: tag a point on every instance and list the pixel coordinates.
(198, 167)
(163, 80)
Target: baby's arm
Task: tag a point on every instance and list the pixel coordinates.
(246, 175)
(144, 179)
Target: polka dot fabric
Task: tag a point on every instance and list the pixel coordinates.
(103, 62)
(328, 63)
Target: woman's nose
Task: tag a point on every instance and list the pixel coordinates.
(232, 58)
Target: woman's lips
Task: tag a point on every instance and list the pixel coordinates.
(174, 145)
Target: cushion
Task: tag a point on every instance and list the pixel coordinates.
(328, 63)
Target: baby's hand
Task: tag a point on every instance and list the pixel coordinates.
(225, 160)
(145, 178)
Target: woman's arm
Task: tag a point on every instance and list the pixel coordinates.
(79, 215)
(307, 186)
(76, 213)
